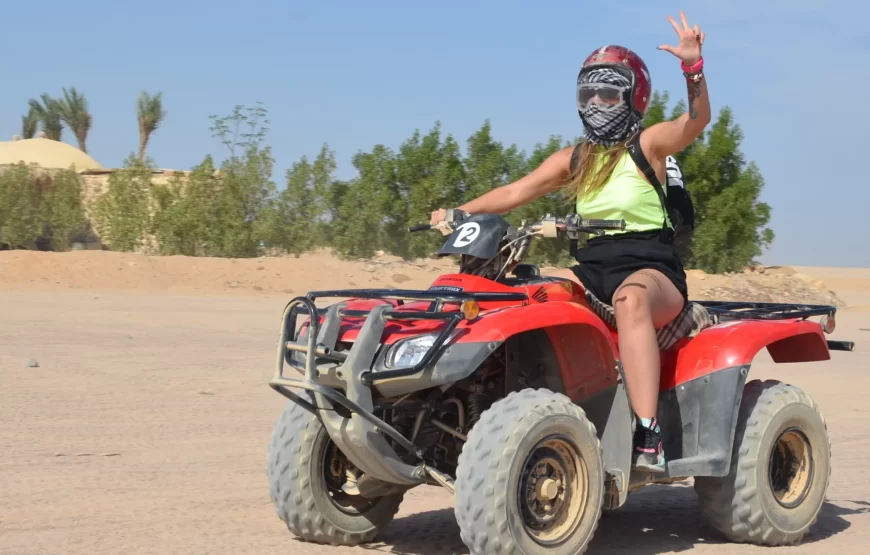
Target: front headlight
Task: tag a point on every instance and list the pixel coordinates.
(409, 352)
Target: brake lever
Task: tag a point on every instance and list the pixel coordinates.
(590, 230)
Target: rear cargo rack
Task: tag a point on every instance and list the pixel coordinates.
(723, 311)
(741, 310)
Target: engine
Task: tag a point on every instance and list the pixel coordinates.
(439, 421)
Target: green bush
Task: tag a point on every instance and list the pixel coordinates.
(38, 210)
(63, 210)
(21, 224)
(239, 209)
(123, 212)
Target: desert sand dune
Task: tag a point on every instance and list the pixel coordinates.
(141, 423)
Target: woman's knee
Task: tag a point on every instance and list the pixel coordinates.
(648, 294)
(631, 304)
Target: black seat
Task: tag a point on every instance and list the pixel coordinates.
(526, 271)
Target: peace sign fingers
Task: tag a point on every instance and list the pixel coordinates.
(685, 21)
(675, 25)
(690, 39)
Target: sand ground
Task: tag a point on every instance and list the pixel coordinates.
(145, 426)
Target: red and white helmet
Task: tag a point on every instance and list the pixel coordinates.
(620, 57)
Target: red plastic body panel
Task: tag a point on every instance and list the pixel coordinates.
(483, 328)
(561, 290)
(586, 347)
(499, 325)
(736, 343)
(587, 360)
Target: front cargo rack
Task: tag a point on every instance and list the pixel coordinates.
(322, 338)
(327, 334)
(420, 295)
(437, 298)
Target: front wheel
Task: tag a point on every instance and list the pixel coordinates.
(780, 469)
(306, 471)
(530, 478)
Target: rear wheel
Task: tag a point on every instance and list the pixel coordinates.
(306, 473)
(530, 478)
(780, 469)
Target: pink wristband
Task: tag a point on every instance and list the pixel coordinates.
(694, 68)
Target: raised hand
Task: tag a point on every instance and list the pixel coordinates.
(691, 39)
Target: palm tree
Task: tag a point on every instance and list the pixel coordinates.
(150, 112)
(73, 108)
(49, 114)
(29, 123)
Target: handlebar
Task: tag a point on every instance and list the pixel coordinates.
(604, 224)
(454, 215)
(573, 225)
(550, 226)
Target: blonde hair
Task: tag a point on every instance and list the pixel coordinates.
(595, 164)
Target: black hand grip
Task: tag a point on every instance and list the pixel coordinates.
(419, 227)
(604, 224)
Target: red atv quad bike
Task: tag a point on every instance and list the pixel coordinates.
(509, 392)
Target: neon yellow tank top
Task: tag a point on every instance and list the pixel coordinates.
(626, 195)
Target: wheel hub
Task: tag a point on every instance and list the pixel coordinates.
(340, 478)
(790, 468)
(553, 489)
(547, 489)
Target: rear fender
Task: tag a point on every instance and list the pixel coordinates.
(702, 384)
(736, 343)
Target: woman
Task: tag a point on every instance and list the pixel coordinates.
(638, 271)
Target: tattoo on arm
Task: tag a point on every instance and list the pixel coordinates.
(694, 93)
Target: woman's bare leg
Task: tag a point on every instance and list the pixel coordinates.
(645, 302)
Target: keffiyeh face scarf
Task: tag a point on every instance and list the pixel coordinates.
(605, 125)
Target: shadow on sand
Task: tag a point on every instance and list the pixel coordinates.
(657, 519)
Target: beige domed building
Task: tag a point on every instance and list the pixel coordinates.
(47, 154)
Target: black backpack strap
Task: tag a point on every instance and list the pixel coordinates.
(644, 166)
(575, 160)
(575, 157)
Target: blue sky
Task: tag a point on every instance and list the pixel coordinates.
(354, 74)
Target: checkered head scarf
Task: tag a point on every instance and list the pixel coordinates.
(608, 128)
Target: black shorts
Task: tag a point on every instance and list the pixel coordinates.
(605, 262)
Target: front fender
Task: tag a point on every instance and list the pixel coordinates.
(736, 343)
(498, 325)
(583, 347)
(579, 339)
